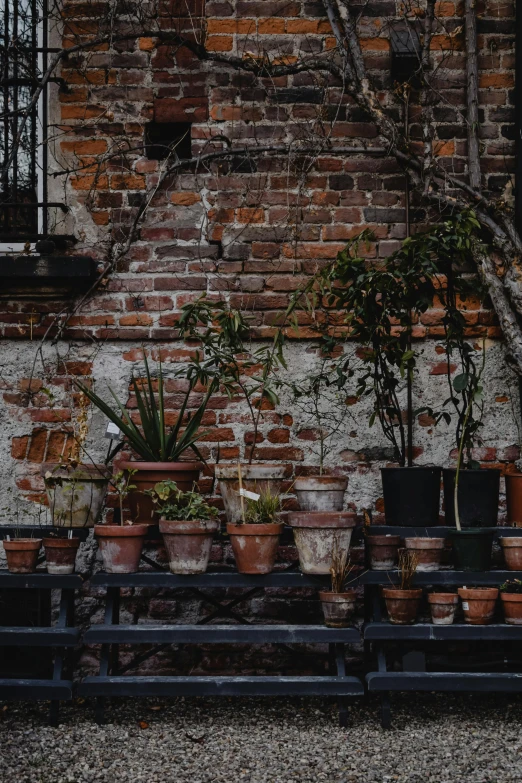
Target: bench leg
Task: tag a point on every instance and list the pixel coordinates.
(342, 701)
(54, 713)
(385, 710)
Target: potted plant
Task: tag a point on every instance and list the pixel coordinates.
(121, 545)
(512, 551)
(471, 540)
(160, 446)
(511, 597)
(428, 551)
(316, 534)
(322, 412)
(382, 551)
(402, 603)
(245, 374)
(21, 551)
(339, 603)
(478, 604)
(443, 607)
(188, 524)
(76, 490)
(255, 540)
(61, 548)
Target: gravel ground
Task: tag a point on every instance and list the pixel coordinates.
(439, 739)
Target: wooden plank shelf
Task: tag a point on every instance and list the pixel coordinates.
(40, 580)
(221, 686)
(211, 579)
(220, 634)
(478, 682)
(36, 690)
(428, 632)
(442, 577)
(39, 637)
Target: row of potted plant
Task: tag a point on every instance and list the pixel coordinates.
(383, 552)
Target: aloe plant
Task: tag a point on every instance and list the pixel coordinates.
(154, 440)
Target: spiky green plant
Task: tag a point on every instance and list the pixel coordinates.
(264, 511)
(154, 440)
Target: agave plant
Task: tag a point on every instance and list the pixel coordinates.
(154, 441)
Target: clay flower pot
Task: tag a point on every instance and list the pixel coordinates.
(120, 546)
(75, 495)
(317, 534)
(185, 474)
(478, 604)
(338, 608)
(255, 478)
(512, 605)
(60, 554)
(255, 546)
(428, 550)
(512, 551)
(22, 554)
(514, 499)
(402, 605)
(443, 607)
(320, 493)
(383, 552)
(188, 543)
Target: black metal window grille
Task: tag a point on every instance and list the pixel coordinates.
(23, 59)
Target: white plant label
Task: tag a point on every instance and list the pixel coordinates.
(113, 432)
(250, 495)
(465, 606)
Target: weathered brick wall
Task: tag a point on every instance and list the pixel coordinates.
(251, 231)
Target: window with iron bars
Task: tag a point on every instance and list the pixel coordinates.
(24, 54)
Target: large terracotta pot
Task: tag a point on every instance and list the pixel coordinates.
(402, 605)
(478, 604)
(338, 608)
(443, 607)
(512, 605)
(188, 543)
(255, 478)
(22, 554)
(60, 554)
(318, 534)
(185, 474)
(428, 551)
(514, 499)
(512, 551)
(383, 552)
(120, 547)
(255, 546)
(320, 493)
(75, 495)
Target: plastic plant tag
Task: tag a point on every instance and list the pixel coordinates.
(113, 432)
(465, 606)
(250, 495)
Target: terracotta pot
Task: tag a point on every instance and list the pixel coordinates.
(75, 495)
(443, 607)
(512, 605)
(120, 547)
(255, 546)
(514, 499)
(338, 608)
(60, 554)
(185, 474)
(402, 605)
(383, 552)
(255, 478)
(478, 604)
(317, 534)
(428, 550)
(320, 493)
(22, 554)
(188, 543)
(512, 551)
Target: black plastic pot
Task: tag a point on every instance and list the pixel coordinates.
(472, 549)
(411, 496)
(478, 497)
